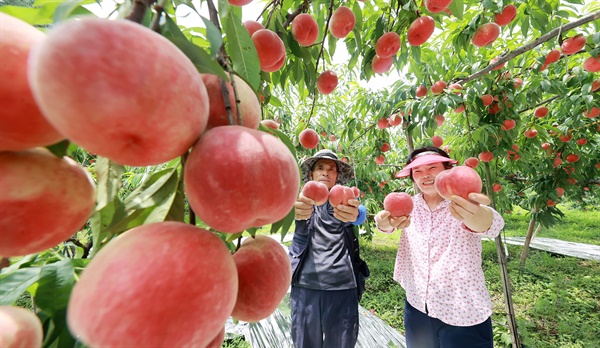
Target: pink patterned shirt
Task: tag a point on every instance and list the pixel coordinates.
(439, 265)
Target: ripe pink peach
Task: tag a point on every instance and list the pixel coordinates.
(270, 49)
(239, 2)
(460, 181)
(23, 125)
(36, 186)
(20, 328)
(436, 6)
(486, 34)
(382, 65)
(508, 124)
(486, 156)
(380, 159)
(217, 115)
(472, 162)
(385, 147)
(395, 120)
(541, 112)
(573, 44)
(592, 64)
(487, 99)
(305, 29)
(88, 78)
(317, 191)
(308, 138)
(552, 57)
(387, 45)
(398, 204)
(236, 178)
(342, 22)
(420, 30)
(253, 26)
(271, 124)
(508, 14)
(327, 82)
(126, 295)
(340, 194)
(383, 123)
(264, 275)
(437, 140)
(438, 87)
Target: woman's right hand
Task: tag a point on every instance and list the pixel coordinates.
(386, 223)
(303, 208)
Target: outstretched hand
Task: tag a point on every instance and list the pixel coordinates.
(386, 222)
(347, 213)
(303, 208)
(474, 213)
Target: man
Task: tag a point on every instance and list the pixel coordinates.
(324, 296)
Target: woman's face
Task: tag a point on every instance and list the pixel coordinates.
(424, 176)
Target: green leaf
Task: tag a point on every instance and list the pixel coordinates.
(242, 51)
(457, 8)
(109, 181)
(55, 284)
(59, 149)
(214, 36)
(69, 7)
(13, 284)
(287, 223)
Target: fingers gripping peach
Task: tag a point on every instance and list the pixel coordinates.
(166, 284)
(236, 178)
(460, 181)
(20, 328)
(398, 204)
(340, 194)
(94, 81)
(317, 191)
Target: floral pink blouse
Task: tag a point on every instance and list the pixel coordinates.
(439, 265)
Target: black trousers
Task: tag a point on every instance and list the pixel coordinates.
(324, 319)
(423, 331)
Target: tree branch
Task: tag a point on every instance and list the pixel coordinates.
(138, 11)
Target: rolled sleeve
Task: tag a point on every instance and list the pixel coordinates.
(362, 215)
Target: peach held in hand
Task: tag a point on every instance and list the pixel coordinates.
(317, 191)
(340, 194)
(398, 204)
(460, 181)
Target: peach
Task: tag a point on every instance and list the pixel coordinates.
(270, 124)
(249, 106)
(438, 87)
(518, 82)
(435, 6)
(497, 187)
(494, 108)
(36, 186)
(264, 276)
(582, 141)
(20, 328)
(383, 123)
(487, 99)
(387, 45)
(508, 124)
(356, 191)
(398, 204)
(125, 296)
(551, 203)
(340, 194)
(593, 113)
(592, 64)
(308, 138)
(494, 60)
(572, 45)
(253, 26)
(557, 161)
(531, 133)
(456, 88)
(420, 30)
(236, 178)
(88, 80)
(421, 91)
(460, 109)
(460, 181)
(385, 147)
(552, 57)
(541, 112)
(545, 146)
(305, 29)
(595, 85)
(437, 140)
(508, 14)
(270, 49)
(327, 82)
(486, 34)
(572, 158)
(560, 191)
(239, 2)
(380, 159)
(486, 156)
(317, 191)
(472, 162)
(342, 22)
(217, 342)
(565, 138)
(382, 65)
(395, 120)
(439, 119)
(23, 125)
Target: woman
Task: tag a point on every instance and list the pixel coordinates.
(439, 259)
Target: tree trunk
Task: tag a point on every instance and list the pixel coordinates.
(528, 239)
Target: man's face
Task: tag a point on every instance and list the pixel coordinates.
(325, 171)
(424, 176)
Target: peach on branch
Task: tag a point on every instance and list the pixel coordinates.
(436, 6)
(236, 178)
(439, 119)
(395, 120)
(23, 125)
(531, 133)
(327, 82)
(420, 30)
(308, 138)
(460, 181)
(595, 85)
(380, 159)
(381, 65)
(545, 146)
(582, 141)
(494, 108)
(456, 88)
(340, 194)
(305, 29)
(20, 328)
(486, 34)
(249, 106)
(130, 294)
(557, 161)
(573, 44)
(486, 156)
(497, 187)
(437, 140)
(398, 204)
(385, 147)
(87, 78)
(317, 191)
(460, 109)
(592, 64)
(592, 113)
(560, 191)
(270, 50)
(565, 138)
(264, 276)
(509, 12)
(270, 123)
(541, 112)
(253, 26)
(342, 22)
(438, 87)
(552, 57)
(494, 60)
(487, 99)
(383, 123)
(239, 2)
(472, 162)
(36, 186)
(421, 91)
(508, 124)
(387, 45)
(572, 158)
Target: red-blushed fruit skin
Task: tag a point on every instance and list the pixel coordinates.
(494, 60)
(356, 191)
(437, 140)
(342, 22)
(20, 328)
(592, 64)
(487, 99)
(472, 162)
(420, 30)
(552, 57)
(395, 120)
(264, 274)
(438, 87)
(507, 15)
(380, 159)
(385, 147)
(508, 124)
(44, 200)
(595, 85)
(541, 112)
(560, 191)
(421, 91)
(572, 158)
(317, 191)
(460, 181)
(236, 178)
(387, 45)
(486, 156)
(269, 47)
(383, 123)
(253, 26)
(435, 6)
(88, 79)
(217, 342)
(305, 29)
(531, 133)
(23, 125)
(497, 187)
(308, 138)
(593, 113)
(486, 34)
(327, 82)
(398, 204)
(217, 114)
(582, 141)
(340, 194)
(130, 294)
(573, 44)
(270, 123)
(239, 2)
(382, 65)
